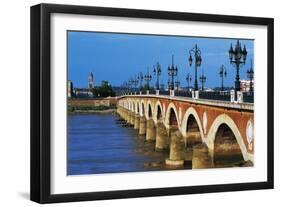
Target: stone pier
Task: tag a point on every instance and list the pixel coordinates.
(162, 138)
(150, 130)
(137, 122)
(132, 118)
(201, 158)
(142, 128)
(177, 149)
(128, 116)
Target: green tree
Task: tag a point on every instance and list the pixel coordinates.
(104, 90)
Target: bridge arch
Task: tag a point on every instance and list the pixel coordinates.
(171, 116)
(142, 108)
(191, 118)
(133, 106)
(149, 109)
(221, 124)
(158, 112)
(137, 107)
(129, 105)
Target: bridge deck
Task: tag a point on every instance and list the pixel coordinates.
(223, 104)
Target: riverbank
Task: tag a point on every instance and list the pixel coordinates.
(89, 109)
(106, 111)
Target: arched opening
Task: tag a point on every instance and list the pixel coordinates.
(149, 111)
(159, 113)
(226, 148)
(173, 118)
(193, 136)
(138, 110)
(142, 108)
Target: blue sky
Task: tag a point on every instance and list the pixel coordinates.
(118, 57)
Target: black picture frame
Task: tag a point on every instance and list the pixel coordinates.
(41, 98)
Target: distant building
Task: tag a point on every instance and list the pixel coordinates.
(69, 89)
(91, 81)
(81, 92)
(245, 85)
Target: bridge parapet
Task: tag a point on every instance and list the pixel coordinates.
(247, 97)
(218, 103)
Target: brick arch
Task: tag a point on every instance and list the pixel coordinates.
(142, 108)
(191, 111)
(170, 107)
(155, 113)
(133, 106)
(149, 105)
(225, 119)
(129, 105)
(137, 106)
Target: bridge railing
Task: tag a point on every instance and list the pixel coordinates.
(152, 92)
(183, 93)
(248, 97)
(215, 95)
(165, 93)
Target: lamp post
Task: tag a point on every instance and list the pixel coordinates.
(237, 57)
(188, 79)
(140, 78)
(157, 72)
(198, 60)
(250, 74)
(129, 85)
(125, 87)
(222, 74)
(172, 72)
(147, 78)
(135, 82)
(202, 80)
(177, 84)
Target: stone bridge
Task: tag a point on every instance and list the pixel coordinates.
(216, 131)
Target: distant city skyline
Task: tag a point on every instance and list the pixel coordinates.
(117, 57)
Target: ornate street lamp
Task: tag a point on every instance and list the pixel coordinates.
(188, 79)
(129, 83)
(202, 80)
(169, 84)
(250, 74)
(135, 82)
(125, 87)
(157, 72)
(147, 78)
(222, 74)
(140, 78)
(237, 57)
(172, 72)
(198, 60)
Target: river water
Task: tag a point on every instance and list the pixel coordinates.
(98, 144)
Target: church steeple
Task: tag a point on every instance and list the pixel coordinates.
(90, 81)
